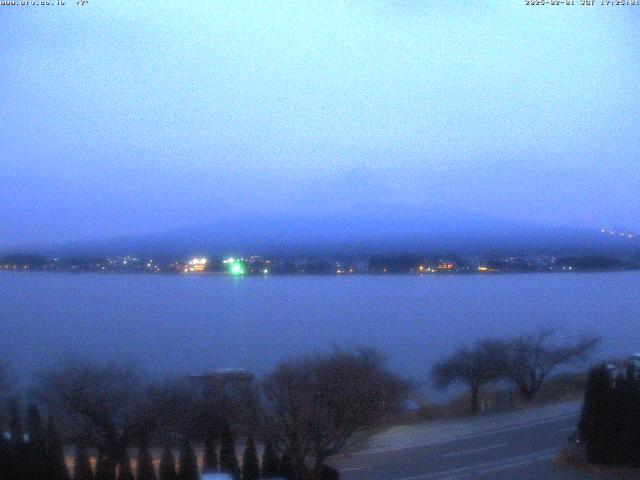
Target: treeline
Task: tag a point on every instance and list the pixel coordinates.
(525, 361)
(37, 453)
(299, 414)
(34, 453)
(610, 422)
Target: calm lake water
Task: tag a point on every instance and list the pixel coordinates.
(184, 324)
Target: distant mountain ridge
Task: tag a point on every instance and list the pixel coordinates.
(367, 233)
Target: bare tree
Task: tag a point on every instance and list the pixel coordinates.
(289, 402)
(475, 367)
(319, 402)
(102, 405)
(184, 409)
(530, 359)
(174, 406)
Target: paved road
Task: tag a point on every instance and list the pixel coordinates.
(521, 448)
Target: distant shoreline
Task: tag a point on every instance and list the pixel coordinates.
(328, 265)
(289, 275)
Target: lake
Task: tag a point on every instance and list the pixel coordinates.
(185, 324)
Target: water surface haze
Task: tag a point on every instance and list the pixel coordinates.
(182, 324)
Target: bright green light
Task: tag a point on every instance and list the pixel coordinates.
(236, 268)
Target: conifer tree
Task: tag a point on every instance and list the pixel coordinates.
(17, 458)
(55, 453)
(188, 464)
(210, 455)
(146, 470)
(228, 459)
(250, 462)
(287, 469)
(168, 465)
(328, 473)
(619, 434)
(35, 428)
(106, 468)
(634, 417)
(593, 424)
(124, 467)
(15, 424)
(270, 462)
(4, 457)
(36, 449)
(82, 467)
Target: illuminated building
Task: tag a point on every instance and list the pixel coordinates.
(235, 266)
(484, 268)
(196, 265)
(446, 266)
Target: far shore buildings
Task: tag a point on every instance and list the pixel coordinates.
(196, 265)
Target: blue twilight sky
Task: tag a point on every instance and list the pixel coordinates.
(128, 117)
